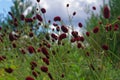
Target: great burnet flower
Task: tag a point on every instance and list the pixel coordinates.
(31, 49)
(44, 68)
(80, 24)
(39, 17)
(106, 12)
(28, 20)
(8, 70)
(64, 29)
(105, 47)
(29, 78)
(44, 51)
(57, 18)
(34, 74)
(74, 34)
(38, 1)
(88, 34)
(62, 36)
(43, 10)
(94, 8)
(96, 29)
(54, 36)
(46, 60)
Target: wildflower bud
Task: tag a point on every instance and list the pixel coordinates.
(106, 12)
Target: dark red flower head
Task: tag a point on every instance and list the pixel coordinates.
(44, 68)
(46, 60)
(64, 29)
(12, 37)
(43, 10)
(9, 70)
(28, 20)
(67, 5)
(106, 12)
(94, 8)
(39, 17)
(62, 36)
(74, 34)
(74, 13)
(88, 34)
(34, 74)
(29, 78)
(57, 18)
(31, 49)
(31, 34)
(22, 17)
(54, 36)
(116, 27)
(79, 45)
(23, 51)
(80, 24)
(2, 58)
(44, 51)
(33, 63)
(0, 28)
(38, 1)
(96, 29)
(105, 47)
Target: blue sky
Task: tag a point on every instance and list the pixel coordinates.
(5, 6)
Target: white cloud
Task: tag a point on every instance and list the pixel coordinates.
(58, 7)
